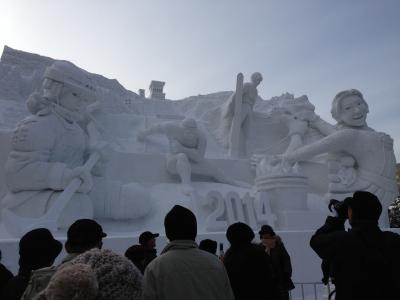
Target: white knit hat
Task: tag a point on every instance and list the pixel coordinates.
(117, 277)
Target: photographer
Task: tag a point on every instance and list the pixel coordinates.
(364, 260)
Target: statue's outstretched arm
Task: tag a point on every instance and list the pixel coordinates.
(338, 141)
(322, 126)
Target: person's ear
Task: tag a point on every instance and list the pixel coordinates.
(350, 213)
(99, 245)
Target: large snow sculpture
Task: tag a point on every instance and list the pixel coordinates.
(359, 157)
(49, 149)
(187, 146)
(241, 102)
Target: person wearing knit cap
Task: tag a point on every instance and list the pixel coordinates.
(363, 260)
(180, 224)
(280, 259)
(37, 249)
(183, 271)
(82, 235)
(248, 266)
(209, 246)
(77, 282)
(117, 277)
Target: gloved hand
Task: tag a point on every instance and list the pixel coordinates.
(339, 207)
(84, 175)
(103, 148)
(295, 125)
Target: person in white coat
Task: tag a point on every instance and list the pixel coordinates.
(183, 271)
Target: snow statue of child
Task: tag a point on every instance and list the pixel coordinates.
(49, 150)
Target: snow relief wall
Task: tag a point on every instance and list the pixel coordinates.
(76, 144)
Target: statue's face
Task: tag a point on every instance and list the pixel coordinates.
(353, 111)
(257, 79)
(73, 102)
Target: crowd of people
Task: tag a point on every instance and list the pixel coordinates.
(362, 262)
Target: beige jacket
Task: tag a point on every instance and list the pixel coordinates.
(40, 278)
(183, 271)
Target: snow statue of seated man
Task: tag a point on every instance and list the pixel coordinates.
(49, 150)
(187, 145)
(359, 157)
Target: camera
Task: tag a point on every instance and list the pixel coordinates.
(340, 207)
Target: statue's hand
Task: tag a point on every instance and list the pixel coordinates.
(103, 148)
(284, 158)
(81, 173)
(276, 159)
(307, 115)
(297, 126)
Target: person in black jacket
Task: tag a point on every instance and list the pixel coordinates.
(248, 266)
(37, 249)
(5, 275)
(280, 259)
(148, 241)
(364, 260)
(209, 246)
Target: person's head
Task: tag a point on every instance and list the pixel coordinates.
(239, 234)
(76, 282)
(66, 85)
(267, 236)
(363, 206)
(180, 224)
(84, 234)
(349, 108)
(38, 249)
(209, 246)
(137, 255)
(117, 277)
(148, 239)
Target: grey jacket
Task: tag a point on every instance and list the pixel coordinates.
(183, 271)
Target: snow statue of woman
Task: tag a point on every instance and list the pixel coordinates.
(359, 157)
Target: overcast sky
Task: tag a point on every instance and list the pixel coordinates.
(198, 46)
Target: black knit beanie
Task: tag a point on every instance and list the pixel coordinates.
(239, 234)
(365, 206)
(180, 224)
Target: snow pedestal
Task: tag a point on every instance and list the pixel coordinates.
(286, 196)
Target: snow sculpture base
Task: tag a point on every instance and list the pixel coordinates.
(285, 192)
(283, 202)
